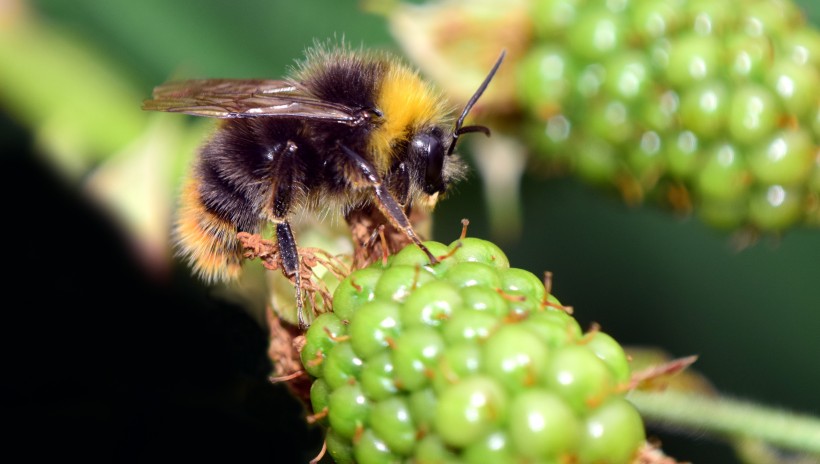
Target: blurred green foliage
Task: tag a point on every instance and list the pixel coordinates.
(647, 277)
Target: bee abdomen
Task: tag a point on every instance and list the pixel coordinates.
(206, 240)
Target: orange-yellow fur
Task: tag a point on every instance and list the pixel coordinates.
(206, 240)
(408, 103)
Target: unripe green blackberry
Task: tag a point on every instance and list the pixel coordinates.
(466, 360)
(711, 106)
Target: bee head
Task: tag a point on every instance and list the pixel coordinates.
(428, 148)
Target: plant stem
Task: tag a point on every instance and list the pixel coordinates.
(730, 417)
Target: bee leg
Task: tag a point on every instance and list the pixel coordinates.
(385, 201)
(289, 256)
(400, 186)
(280, 206)
(398, 182)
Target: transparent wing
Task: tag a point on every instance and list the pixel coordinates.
(246, 98)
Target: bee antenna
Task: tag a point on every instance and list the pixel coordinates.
(463, 130)
(467, 129)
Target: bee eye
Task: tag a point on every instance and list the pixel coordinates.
(429, 152)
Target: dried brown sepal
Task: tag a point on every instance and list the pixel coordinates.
(267, 251)
(286, 342)
(255, 246)
(370, 241)
(334, 264)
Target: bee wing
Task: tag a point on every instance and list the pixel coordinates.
(245, 98)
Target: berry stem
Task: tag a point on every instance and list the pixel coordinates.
(729, 417)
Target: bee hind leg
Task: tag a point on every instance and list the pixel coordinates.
(289, 258)
(287, 176)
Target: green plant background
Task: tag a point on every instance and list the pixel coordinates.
(647, 277)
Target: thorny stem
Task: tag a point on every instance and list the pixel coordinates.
(729, 417)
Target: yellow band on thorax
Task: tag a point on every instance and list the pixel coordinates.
(408, 103)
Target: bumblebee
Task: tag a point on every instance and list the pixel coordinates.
(349, 129)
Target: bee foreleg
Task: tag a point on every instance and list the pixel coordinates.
(398, 183)
(385, 201)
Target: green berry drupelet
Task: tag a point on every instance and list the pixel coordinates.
(467, 360)
(711, 106)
